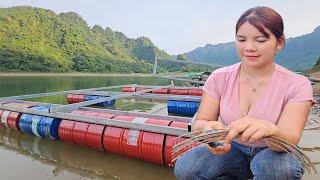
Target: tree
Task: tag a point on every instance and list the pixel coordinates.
(316, 67)
(182, 57)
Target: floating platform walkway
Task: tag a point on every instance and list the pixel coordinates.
(141, 135)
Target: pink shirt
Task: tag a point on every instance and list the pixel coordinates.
(283, 87)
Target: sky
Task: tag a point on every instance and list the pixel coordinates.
(179, 26)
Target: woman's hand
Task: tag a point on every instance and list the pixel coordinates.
(249, 129)
(216, 125)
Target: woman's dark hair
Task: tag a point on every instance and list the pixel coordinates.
(263, 17)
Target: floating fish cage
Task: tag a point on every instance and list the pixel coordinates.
(140, 135)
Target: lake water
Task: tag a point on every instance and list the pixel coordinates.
(29, 157)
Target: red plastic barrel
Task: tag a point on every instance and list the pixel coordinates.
(113, 136)
(130, 142)
(170, 140)
(129, 89)
(131, 139)
(112, 139)
(178, 91)
(152, 143)
(160, 91)
(94, 136)
(70, 99)
(65, 130)
(79, 132)
(94, 132)
(195, 92)
(134, 143)
(80, 98)
(13, 120)
(4, 118)
(75, 98)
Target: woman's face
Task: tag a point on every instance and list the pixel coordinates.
(255, 49)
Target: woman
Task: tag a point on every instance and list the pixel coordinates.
(255, 98)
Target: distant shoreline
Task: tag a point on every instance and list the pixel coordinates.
(72, 74)
(82, 74)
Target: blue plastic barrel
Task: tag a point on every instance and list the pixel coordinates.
(48, 127)
(103, 104)
(39, 125)
(35, 120)
(184, 108)
(25, 123)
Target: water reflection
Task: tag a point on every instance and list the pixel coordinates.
(30, 85)
(79, 160)
(101, 165)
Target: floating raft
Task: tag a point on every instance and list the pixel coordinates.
(177, 91)
(137, 135)
(181, 107)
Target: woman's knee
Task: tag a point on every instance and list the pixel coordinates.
(268, 164)
(190, 164)
(184, 170)
(201, 163)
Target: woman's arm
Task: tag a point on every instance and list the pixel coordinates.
(290, 126)
(208, 112)
(206, 119)
(292, 122)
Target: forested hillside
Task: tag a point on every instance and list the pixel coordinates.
(35, 39)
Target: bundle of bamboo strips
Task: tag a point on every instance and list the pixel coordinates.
(214, 138)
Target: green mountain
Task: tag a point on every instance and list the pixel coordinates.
(35, 39)
(300, 53)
